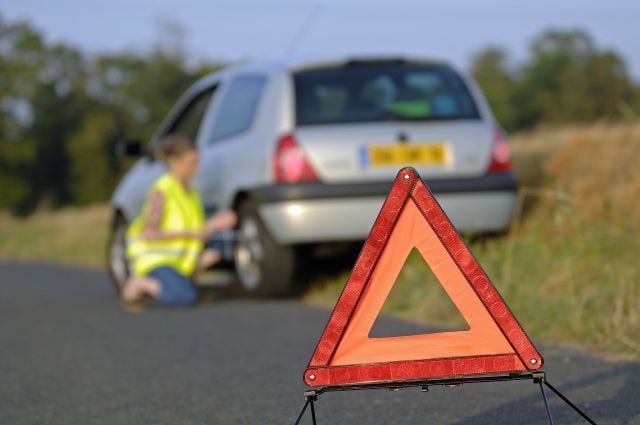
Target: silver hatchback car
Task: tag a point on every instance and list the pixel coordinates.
(305, 153)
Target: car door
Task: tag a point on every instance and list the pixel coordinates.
(227, 159)
(186, 118)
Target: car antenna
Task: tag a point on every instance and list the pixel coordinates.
(304, 28)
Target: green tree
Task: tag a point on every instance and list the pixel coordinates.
(92, 176)
(55, 117)
(633, 111)
(567, 79)
(62, 112)
(21, 58)
(610, 84)
(489, 68)
(14, 185)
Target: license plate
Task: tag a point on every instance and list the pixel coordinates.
(398, 155)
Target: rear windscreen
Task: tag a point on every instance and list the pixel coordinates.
(375, 93)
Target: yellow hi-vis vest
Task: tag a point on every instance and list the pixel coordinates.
(182, 210)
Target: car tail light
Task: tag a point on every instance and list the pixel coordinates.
(290, 163)
(500, 153)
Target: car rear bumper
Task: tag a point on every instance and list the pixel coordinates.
(315, 212)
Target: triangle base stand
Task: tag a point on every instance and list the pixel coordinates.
(538, 377)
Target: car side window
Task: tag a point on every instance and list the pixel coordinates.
(238, 106)
(188, 123)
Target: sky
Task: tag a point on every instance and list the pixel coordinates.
(230, 30)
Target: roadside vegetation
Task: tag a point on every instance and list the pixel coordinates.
(70, 236)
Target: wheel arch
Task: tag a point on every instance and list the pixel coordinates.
(240, 198)
(117, 216)
(244, 197)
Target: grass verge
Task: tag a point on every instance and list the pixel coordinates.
(71, 236)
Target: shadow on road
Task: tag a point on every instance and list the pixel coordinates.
(625, 376)
(313, 268)
(316, 268)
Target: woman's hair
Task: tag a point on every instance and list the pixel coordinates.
(173, 145)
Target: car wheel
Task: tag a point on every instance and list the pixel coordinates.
(264, 267)
(116, 252)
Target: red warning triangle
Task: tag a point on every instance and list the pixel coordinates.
(494, 343)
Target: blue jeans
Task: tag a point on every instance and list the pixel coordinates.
(175, 289)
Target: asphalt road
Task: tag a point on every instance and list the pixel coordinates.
(69, 355)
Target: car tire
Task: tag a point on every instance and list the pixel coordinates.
(117, 266)
(264, 267)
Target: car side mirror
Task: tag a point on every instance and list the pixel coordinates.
(129, 147)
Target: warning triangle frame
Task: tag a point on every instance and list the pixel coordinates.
(409, 188)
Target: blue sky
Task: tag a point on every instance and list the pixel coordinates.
(239, 29)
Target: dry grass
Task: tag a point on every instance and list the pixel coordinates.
(69, 236)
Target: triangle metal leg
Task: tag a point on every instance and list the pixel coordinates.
(546, 402)
(310, 397)
(304, 409)
(567, 401)
(313, 413)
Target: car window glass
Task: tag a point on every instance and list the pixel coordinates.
(188, 123)
(238, 106)
(392, 92)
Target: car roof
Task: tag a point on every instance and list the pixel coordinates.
(289, 65)
(295, 65)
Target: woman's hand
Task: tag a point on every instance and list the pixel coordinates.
(223, 220)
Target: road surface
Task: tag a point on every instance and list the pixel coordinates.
(70, 355)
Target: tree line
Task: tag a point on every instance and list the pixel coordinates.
(63, 110)
(564, 79)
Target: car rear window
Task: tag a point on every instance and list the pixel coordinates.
(381, 92)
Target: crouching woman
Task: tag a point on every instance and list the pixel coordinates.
(165, 243)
